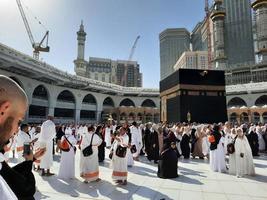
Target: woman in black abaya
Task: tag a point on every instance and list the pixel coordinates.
(168, 162)
(253, 141)
(101, 148)
(185, 147)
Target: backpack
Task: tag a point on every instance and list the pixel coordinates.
(64, 145)
(88, 151)
(231, 146)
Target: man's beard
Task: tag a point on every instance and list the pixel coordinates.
(5, 131)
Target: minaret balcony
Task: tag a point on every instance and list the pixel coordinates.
(216, 15)
(220, 57)
(218, 1)
(262, 50)
(258, 4)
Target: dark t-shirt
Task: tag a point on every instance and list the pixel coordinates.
(20, 179)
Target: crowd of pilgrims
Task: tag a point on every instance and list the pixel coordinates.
(161, 143)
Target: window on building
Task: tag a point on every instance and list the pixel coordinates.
(96, 76)
(103, 78)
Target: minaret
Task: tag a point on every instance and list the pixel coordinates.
(80, 63)
(218, 16)
(260, 8)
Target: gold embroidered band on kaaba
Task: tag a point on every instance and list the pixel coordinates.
(194, 89)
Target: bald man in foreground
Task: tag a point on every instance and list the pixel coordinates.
(17, 182)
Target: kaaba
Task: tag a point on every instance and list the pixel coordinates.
(191, 95)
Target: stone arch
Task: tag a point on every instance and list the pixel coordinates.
(41, 92)
(65, 109)
(236, 102)
(66, 96)
(38, 109)
(88, 111)
(261, 101)
(89, 99)
(108, 102)
(148, 103)
(127, 102)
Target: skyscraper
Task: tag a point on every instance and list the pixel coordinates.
(238, 32)
(198, 43)
(173, 42)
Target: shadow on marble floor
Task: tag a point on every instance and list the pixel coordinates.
(56, 158)
(62, 186)
(260, 165)
(39, 195)
(185, 179)
(143, 171)
(258, 178)
(187, 171)
(76, 188)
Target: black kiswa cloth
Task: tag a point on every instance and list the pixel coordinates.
(20, 179)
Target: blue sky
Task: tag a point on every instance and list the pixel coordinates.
(111, 26)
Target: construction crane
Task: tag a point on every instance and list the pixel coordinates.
(124, 77)
(207, 19)
(37, 47)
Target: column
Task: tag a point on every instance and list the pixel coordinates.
(249, 116)
(238, 118)
(229, 117)
(98, 116)
(51, 111)
(261, 118)
(52, 103)
(144, 117)
(77, 116)
(27, 115)
(118, 117)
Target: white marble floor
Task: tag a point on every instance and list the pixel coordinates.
(195, 181)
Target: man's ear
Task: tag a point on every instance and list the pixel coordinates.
(4, 107)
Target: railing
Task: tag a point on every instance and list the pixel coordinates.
(89, 107)
(246, 87)
(91, 119)
(40, 102)
(65, 104)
